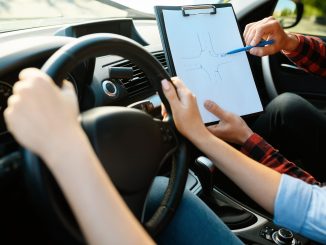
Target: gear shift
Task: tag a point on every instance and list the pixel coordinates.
(204, 170)
(232, 215)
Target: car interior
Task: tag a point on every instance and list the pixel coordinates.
(118, 63)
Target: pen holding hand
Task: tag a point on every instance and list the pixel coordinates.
(269, 29)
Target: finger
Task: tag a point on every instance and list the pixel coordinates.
(7, 114)
(250, 30)
(178, 83)
(252, 33)
(69, 92)
(67, 86)
(37, 80)
(12, 100)
(245, 33)
(212, 128)
(215, 129)
(19, 86)
(261, 32)
(163, 110)
(34, 73)
(214, 109)
(183, 92)
(170, 93)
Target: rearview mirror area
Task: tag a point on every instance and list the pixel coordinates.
(288, 12)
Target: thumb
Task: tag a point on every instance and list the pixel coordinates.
(262, 51)
(215, 129)
(170, 93)
(69, 94)
(67, 86)
(213, 108)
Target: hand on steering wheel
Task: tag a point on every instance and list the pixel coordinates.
(150, 141)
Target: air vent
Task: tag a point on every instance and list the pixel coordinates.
(161, 58)
(139, 84)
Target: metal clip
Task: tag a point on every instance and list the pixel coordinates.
(197, 9)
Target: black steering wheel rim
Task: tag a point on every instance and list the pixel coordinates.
(62, 62)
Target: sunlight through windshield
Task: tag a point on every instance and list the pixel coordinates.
(21, 14)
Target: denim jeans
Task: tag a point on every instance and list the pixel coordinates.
(193, 222)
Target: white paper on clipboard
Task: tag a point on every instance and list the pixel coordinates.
(197, 44)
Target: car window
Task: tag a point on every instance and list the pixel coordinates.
(313, 21)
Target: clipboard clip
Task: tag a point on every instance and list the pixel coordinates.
(198, 9)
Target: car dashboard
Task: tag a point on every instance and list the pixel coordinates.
(99, 81)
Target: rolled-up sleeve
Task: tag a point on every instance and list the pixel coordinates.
(301, 207)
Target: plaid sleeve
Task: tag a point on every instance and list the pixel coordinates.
(310, 55)
(258, 149)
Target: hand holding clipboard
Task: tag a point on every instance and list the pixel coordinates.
(195, 40)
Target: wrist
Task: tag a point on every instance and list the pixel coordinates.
(246, 136)
(292, 43)
(200, 137)
(60, 149)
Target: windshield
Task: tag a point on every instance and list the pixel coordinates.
(22, 14)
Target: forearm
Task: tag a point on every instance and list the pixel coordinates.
(258, 149)
(258, 181)
(98, 207)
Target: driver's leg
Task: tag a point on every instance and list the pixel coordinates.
(193, 222)
(298, 130)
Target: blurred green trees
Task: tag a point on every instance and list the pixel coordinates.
(314, 7)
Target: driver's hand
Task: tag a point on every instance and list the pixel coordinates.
(231, 127)
(269, 29)
(41, 116)
(184, 108)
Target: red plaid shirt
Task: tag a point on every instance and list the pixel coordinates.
(258, 149)
(310, 55)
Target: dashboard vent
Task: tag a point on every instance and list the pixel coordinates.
(139, 84)
(161, 58)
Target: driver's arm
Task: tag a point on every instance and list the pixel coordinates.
(264, 185)
(43, 118)
(240, 168)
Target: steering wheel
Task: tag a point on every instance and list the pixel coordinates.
(130, 144)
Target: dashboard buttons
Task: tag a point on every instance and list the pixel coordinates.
(267, 232)
(110, 88)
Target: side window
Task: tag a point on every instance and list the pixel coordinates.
(313, 21)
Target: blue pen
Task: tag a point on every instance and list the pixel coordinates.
(261, 44)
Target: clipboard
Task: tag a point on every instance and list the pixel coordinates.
(195, 39)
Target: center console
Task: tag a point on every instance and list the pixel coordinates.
(249, 225)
